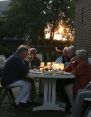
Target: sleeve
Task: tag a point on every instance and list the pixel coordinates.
(72, 65)
(69, 68)
(80, 69)
(20, 66)
(58, 60)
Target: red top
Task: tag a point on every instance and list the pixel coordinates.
(82, 71)
(83, 75)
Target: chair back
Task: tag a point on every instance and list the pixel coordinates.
(2, 60)
(89, 59)
(39, 56)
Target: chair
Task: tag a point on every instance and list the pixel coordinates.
(6, 91)
(88, 110)
(2, 60)
(89, 59)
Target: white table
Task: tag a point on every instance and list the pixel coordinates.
(49, 100)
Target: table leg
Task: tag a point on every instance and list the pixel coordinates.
(49, 97)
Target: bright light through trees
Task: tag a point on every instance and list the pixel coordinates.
(63, 32)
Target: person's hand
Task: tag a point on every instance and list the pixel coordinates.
(82, 90)
(88, 86)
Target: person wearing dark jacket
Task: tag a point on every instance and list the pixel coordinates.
(14, 72)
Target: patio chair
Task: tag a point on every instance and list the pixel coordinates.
(7, 92)
(89, 59)
(2, 60)
(88, 110)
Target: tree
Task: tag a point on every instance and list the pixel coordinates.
(30, 17)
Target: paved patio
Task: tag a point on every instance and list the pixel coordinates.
(6, 110)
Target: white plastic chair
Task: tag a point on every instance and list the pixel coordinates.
(89, 59)
(2, 60)
(88, 110)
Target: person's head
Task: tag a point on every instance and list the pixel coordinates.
(81, 55)
(65, 51)
(71, 51)
(22, 51)
(33, 52)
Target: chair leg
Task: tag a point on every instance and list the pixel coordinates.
(9, 94)
(3, 95)
(87, 110)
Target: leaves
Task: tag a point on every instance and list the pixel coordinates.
(30, 17)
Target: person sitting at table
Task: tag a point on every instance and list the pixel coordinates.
(14, 74)
(34, 64)
(64, 58)
(81, 68)
(80, 103)
(63, 87)
(68, 53)
(33, 59)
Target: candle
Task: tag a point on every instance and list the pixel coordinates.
(55, 66)
(48, 63)
(42, 64)
(61, 66)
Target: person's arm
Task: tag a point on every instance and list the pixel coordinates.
(72, 64)
(88, 86)
(80, 69)
(20, 66)
(58, 60)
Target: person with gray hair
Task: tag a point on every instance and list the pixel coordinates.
(14, 73)
(82, 54)
(34, 60)
(68, 53)
(64, 58)
(71, 51)
(83, 82)
(66, 86)
(81, 68)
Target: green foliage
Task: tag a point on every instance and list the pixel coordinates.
(30, 17)
(3, 50)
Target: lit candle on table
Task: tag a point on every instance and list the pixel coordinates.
(61, 66)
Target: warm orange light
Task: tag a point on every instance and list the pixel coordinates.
(62, 32)
(55, 66)
(47, 35)
(42, 64)
(61, 66)
(61, 29)
(57, 36)
(48, 63)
